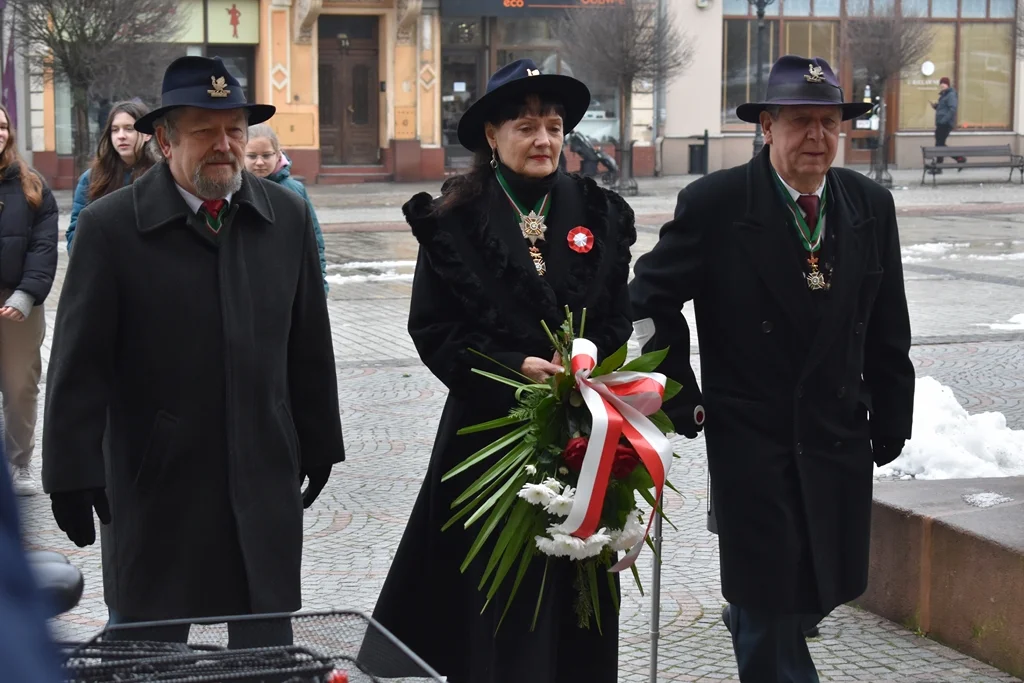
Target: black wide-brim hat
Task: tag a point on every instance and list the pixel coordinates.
(513, 83)
(202, 82)
(796, 81)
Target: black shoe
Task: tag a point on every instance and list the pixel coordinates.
(725, 618)
(812, 632)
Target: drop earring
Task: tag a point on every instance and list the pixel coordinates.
(494, 158)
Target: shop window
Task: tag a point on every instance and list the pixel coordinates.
(462, 32)
(973, 9)
(883, 7)
(601, 122)
(818, 38)
(984, 82)
(944, 9)
(797, 8)
(740, 7)
(1002, 9)
(914, 8)
(826, 8)
(527, 31)
(858, 8)
(739, 67)
(546, 60)
(918, 91)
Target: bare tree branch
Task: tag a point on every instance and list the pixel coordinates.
(102, 49)
(626, 44)
(886, 44)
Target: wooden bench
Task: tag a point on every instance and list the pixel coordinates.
(994, 156)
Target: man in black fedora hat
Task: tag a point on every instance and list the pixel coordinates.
(795, 273)
(191, 386)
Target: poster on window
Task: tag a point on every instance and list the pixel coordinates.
(233, 21)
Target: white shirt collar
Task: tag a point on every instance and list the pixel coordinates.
(194, 202)
(793, 193)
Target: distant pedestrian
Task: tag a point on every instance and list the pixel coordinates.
(28, 264)
(192, 386)
(265, 159)
(795, 272)
(122, 155)
(945, 117)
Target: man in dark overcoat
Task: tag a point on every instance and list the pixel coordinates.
(192, 384)
(795, 273)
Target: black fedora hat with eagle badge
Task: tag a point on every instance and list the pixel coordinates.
(802, 81)
(202, 82)
(512, 83)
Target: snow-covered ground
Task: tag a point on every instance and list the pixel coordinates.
(950, 443)
(1014, 324)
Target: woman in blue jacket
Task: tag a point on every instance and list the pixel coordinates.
(121, 157)
(264, 158)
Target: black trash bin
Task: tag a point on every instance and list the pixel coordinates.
(697, 155)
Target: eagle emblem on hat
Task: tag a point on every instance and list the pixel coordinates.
(219, 87)
(816, 75)
(533, 72)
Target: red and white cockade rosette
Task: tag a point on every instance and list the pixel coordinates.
(619, 404)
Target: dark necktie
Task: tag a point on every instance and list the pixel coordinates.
(810, 204)
(211, 210)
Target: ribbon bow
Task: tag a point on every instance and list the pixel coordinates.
(619, 404)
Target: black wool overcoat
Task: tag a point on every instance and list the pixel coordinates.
(476, 288)
(795, 389)
(193, 378)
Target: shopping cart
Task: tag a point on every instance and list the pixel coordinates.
(315, 647)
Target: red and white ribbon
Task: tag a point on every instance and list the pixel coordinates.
(619, 404)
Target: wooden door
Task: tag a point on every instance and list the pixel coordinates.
(330, 118)
(360, 134)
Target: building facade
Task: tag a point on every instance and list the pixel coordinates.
(972, 42)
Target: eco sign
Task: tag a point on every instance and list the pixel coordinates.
(518, 8)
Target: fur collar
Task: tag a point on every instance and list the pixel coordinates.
(500, 289)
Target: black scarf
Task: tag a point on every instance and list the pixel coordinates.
(527, 191)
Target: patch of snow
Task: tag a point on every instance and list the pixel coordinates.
(1012, 256)
(390, 276)
(353, 265)
(921, 253)
(950, 443)
(1015, 324)
(985, 500)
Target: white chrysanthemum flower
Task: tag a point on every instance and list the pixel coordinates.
(563, 545)
(597, 541)
(531, 469)
(569, 492)
(546, 545)
(632, 533)
(563, 470)
(552, 484)
(560, 506)
(536, 494)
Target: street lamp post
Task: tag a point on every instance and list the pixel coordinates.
(760, 6)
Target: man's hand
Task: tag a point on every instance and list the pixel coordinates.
(887, 450)
(540, 370)
(318, 477)
(73, 512)
(11, 313)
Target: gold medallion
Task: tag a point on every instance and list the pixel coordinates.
(815, 279)
(532, 226)
(538, 261)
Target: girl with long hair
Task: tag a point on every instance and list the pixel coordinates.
(122, 155)
(28, 263)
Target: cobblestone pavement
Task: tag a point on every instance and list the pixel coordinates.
(391, 405)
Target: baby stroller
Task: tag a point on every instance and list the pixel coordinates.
(590, 156)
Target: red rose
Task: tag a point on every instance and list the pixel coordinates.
(626, 460)
(574, 453)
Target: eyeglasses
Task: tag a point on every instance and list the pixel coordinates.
(265, 157)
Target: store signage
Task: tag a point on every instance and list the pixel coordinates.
(519, 8)
(233, 21)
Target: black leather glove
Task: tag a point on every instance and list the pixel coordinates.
(887, 450)
(318, 476)
(686, 410)
(73, 512)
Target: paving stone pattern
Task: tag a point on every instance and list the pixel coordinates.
(391, 405)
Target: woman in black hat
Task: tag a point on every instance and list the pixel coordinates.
(496, 258)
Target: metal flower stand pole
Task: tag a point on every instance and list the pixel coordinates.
(655, 598)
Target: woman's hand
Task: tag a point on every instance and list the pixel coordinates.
(14, 314)
(540, 370)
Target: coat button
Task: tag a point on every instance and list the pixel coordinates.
(858, 328)
(841, 392)
(799, 449)
(766, 326)
(837, 445)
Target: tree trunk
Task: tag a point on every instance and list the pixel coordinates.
(81, 142)
(625, 129)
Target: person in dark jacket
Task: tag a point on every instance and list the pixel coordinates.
(28, 264)
(192, 383)
(122, 155)
(27, 653)
(795, 272)
(264, 159)
(945, 117)
(480, 284)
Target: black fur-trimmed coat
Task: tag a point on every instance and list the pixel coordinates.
(476, 287)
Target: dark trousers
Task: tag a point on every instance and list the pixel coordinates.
(770, 648)
(241, 634)
(942, 131)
